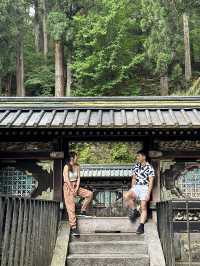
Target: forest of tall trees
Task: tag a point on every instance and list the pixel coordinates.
(99, 47)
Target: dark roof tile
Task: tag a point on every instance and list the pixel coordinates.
(112, 118)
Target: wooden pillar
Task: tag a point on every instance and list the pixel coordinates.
(155, 162)
(156, 187)
(57, 179)
(155, 154)
(147, 144)
(65, 150)
(57, 173)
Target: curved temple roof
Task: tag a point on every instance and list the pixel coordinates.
(106, 170)
(106, 112)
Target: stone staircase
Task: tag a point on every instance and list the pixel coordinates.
(109, 241)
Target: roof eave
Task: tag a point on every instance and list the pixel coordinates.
(101, 102)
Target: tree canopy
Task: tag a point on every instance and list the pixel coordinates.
(106, 47)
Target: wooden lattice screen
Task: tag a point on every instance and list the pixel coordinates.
(16, 182)
(189, 181)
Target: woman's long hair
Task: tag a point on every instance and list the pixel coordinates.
(71, 155)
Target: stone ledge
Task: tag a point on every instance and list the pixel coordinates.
(61, 247)
(154, 246)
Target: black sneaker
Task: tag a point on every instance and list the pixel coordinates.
(140, 229)
(132, 215)
(75, 232)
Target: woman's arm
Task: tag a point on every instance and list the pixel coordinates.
(66, 177)
(78, 180)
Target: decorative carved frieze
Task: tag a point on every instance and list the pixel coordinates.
(179, 145)
(166, 165)
(26, 146)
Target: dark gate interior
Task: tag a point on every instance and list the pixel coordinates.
(108, 189)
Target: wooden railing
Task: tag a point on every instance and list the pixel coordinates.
(175, 217)
(28, 231)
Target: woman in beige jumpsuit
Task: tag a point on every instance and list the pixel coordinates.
(71, 189)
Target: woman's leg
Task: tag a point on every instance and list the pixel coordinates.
(87, 195)
(70, 205)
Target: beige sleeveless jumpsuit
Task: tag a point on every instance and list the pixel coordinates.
(70, 198)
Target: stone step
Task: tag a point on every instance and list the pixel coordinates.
(108, 260)
(108, 237)
(181, 263)
(108, 247)
(106, 224)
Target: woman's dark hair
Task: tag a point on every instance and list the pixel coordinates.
(71, 155)
(144, 153)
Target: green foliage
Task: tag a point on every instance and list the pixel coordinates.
(58, 23)
(40, 82)
(194, 90)
(177, 72)
(121, 153)
(106, 52)
(13, 21)
(39, 73)
(160, 42)
(106, 153)
(119, 47)
(185, 5)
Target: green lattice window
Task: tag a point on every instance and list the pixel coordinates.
(16, 182)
